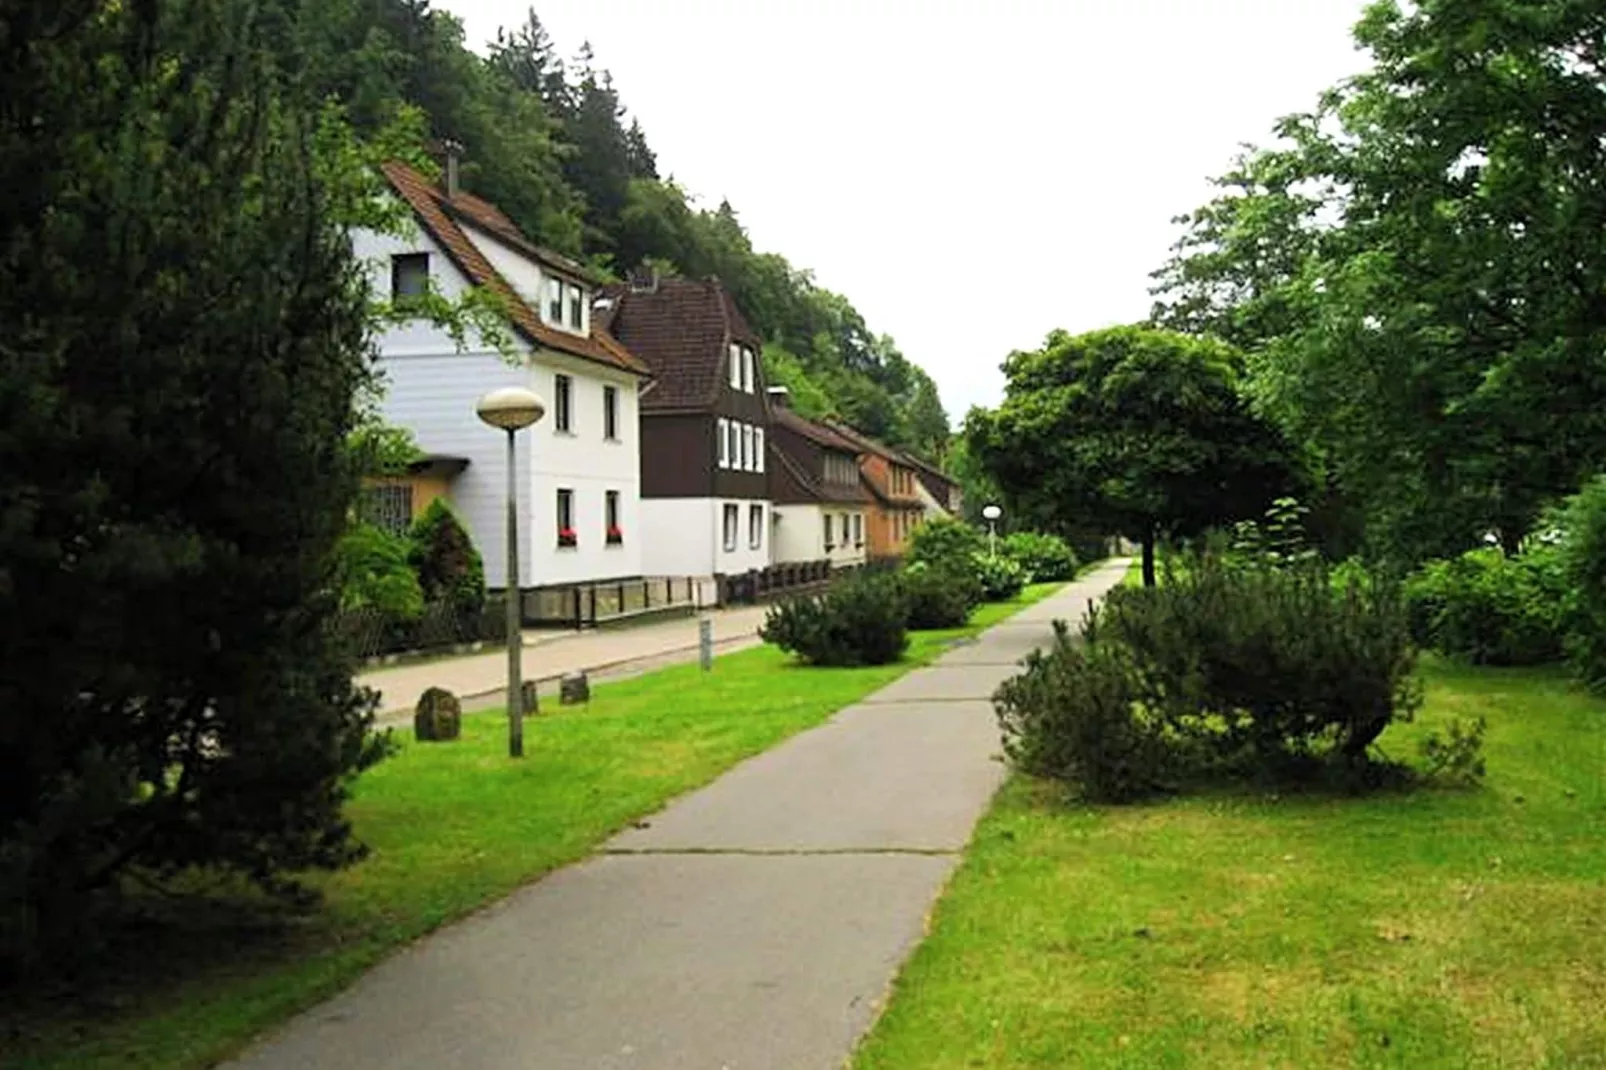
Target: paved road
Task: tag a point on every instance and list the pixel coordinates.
(752, 925)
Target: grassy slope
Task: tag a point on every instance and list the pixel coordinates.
(1439, 929)
(452, 828)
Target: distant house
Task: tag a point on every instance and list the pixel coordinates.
(705, 425)
(938, 490)
(896, 508)
(579, 468)
(820, 498)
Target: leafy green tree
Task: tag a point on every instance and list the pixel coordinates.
(1138, 430)
(185, 341)
(1416, 270)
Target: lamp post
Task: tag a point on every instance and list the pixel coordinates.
(991, 514)
(511, 409)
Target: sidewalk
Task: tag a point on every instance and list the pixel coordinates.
(481, 679)
(752, 925)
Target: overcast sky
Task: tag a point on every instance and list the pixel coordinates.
(971, 175)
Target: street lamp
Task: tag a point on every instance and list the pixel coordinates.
(510, 409)
(991, 514)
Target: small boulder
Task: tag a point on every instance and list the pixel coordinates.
(439, 716)
(575, 689)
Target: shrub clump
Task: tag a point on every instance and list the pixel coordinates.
(1226, 667)
(1582, 561)
(861, 619)
(1045, 558)
(1001, 578)
(943, 542)
(449, 568)
(939, 597)
(1490, 609)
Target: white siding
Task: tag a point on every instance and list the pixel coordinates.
(525, 276)
(679, 539)
(800, 534)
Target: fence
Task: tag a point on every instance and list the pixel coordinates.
(759, 585)
(586, 605)
(374, 632)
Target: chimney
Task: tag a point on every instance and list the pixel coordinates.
(780, 397)
(644, 279)
(454, 158)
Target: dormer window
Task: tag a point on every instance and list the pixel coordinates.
(747, 370)
(409, 276)
(577, 304)
(554, 300)
(735, 366)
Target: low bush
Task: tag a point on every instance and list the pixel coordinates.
(1046, 558)
(939, 597)
(1001, 578)
(861, 619)
(1490, 609)
(1581, 558)
(1223, 667)
(374, 573)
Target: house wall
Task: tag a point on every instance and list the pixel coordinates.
(677, 455)
(431, 388)
(686, 537)
(799, 533)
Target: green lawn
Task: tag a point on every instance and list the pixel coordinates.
(1442, 928)
(452, 827)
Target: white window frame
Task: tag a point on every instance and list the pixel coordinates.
(755, 527)
(735, 366)
(610, 413)
(747, 448)
(758, 449)
(554, 293)
(575, 301)
(724, 443)
(830, 543)
(732, 519)
(747, 370)
(732, 436)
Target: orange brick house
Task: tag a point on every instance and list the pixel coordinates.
(896, 507)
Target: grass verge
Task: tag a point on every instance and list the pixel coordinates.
(452, 828)
(1436, 929)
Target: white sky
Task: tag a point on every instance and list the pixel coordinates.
(971, 175)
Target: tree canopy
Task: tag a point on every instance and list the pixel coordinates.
(1417, 269)
(184, 347)
(1136, 430)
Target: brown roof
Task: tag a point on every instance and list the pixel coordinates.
(867, 444)
(439, 215)
(817, 433)
(792, 482)
(682, 328)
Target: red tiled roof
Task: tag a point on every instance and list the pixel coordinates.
(682, 328)
(439, 214)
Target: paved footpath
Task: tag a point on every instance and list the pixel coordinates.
(752, 925)
(480, 680)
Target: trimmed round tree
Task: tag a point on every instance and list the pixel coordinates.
(1140, 431)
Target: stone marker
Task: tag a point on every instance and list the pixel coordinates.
(574, 689)
(532, 697)
(439, 717)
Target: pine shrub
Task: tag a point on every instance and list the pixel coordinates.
(861, 619)
(449, 567)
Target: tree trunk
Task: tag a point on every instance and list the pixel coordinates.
(1148, 558)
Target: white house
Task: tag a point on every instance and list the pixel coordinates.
(820, 500)
(578, 468)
